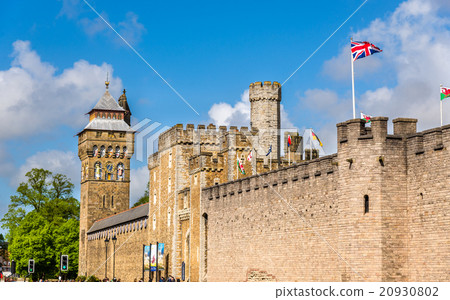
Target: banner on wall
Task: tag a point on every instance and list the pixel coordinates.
(160, 257)
(153, 258)
(146, 258)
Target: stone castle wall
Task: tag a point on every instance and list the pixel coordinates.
(310, 222)
(129, 251)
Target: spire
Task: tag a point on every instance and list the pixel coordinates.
(124, 104)
(107, 80)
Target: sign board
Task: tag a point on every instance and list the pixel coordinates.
(153, 258)
(146, 258)
(160, 257)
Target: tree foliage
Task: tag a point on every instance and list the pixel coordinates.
(43, 223)
(143, 199)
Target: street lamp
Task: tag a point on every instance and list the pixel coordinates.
(106, 256)
(114, 239)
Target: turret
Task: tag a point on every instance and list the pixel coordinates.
(265, 101)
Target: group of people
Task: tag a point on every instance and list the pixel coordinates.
(170, 278)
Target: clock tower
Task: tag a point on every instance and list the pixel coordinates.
(105, 147)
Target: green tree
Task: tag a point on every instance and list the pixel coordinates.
(144, 198)
(43, 223)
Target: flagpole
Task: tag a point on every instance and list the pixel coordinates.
(441, 107)
(289, 153)
(237, 166)
(353, 83)
(310, 143)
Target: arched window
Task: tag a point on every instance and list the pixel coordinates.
(366, 204)
(109, 116)
(117, 152)
(102, 151)
(114, 116)
(110, 151)
(205, 243)
(120, 171)
(103, 115)
(98, 170)
(109, 171)
(95, 151)
(125, 152)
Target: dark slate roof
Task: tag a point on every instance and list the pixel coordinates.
(108, 124)
(126, 216)
(107, 102)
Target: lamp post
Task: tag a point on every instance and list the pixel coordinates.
(114, 240)
(106, 256)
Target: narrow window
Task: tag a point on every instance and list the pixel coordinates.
(112, 201)
(185, 202)
(170, 159)
(366, 204)
(169, 216)
(169, 185)
(103, 201)
(154, 222)
(154, 198)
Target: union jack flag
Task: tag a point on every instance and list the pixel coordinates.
(363, 49)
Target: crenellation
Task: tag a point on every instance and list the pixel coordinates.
(379, 128)
(404, 126)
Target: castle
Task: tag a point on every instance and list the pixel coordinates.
(377, 210)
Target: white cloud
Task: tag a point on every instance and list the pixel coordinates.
(36, 99)
(56, 161)
(223, 113)
(415, 40)
(139, 181)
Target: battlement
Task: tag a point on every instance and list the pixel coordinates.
(265, 91)
(356, 129)
(301, 172)
(203, 135)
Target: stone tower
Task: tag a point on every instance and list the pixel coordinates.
(105, 147)
(265, 116)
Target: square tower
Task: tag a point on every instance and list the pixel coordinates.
(105, 147)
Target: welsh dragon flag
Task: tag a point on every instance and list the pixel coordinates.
(240, 166)
(445, 92)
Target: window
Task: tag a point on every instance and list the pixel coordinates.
(99, 134)
(195, 179)
(154, 222)
(154, 198)
(185, 202)
(120, 171)
(216, 181)
(125, 151)
(102, 151)
(98, 170)
(169, 185)
(110, 151)
(122, 134)
(170, 159)
(95, 151)
(169, 216)
(104, 201)
(366, 204)
(117, 152)
(112, 201)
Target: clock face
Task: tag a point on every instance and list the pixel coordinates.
(109, 168)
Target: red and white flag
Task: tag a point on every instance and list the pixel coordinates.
(250, 155)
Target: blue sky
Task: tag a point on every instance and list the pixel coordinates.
(55, 55)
